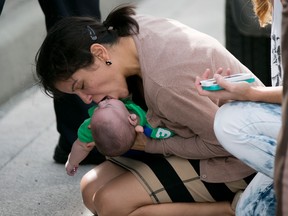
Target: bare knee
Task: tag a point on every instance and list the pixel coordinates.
(105, 202)
(121, 196)
(88, 189)
(95, 179)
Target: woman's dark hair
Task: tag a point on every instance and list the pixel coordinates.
(66, 47)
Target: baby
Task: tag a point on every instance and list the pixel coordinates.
(112, 128)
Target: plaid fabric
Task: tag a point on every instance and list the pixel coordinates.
(174, 179)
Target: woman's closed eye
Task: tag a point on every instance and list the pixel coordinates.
(82, 86)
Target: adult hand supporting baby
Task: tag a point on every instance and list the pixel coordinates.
(141, 139)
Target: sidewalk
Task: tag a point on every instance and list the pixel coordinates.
(31, 183)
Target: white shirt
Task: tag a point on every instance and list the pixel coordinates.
(276, 62)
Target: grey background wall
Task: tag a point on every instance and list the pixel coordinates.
(22, 30)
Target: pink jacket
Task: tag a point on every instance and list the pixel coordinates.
(171, 55)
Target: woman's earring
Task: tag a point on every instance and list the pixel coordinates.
(108, 62)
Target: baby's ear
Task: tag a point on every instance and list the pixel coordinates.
(133, 120)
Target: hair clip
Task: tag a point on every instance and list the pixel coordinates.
(108, 27)
(91, 33)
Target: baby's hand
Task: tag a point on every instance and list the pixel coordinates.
(139, 129)
(70, 169)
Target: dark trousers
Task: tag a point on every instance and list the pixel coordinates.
(54, 10)
(1, 5)
(69, 109)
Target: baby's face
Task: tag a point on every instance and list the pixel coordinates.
(110, 107)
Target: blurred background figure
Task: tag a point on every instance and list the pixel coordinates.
(246, 40)
(69, 109)
(1, 5)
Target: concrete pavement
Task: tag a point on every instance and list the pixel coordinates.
(31, 183)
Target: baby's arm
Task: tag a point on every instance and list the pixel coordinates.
(78, 152)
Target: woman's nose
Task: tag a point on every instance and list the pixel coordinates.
(87, 99)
